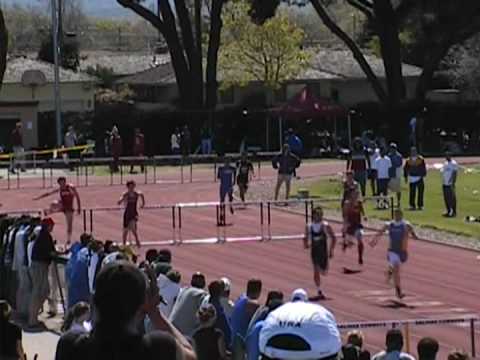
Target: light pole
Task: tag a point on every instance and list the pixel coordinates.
(56, 85)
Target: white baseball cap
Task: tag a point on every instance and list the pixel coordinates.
(299, 295)
(300, 331)
(226, 283)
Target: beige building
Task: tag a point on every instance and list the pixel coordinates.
(28, 89)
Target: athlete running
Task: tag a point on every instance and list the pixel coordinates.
(352, 223)
(67, 194)
(316, 238)
(245, 174)
(397, 254)
(226, 175)
(130, 216)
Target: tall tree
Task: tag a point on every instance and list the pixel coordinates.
(3, 47)
(270, 53)
(174, 22)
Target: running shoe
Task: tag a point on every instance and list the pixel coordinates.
(399, 293)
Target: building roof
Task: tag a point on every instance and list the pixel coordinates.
(122, 64)
(342, 64)
(16, 67)
(161, 74)
(325, 64)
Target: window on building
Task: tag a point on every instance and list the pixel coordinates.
(280, 94)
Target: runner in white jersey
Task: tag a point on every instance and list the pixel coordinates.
(399, 231)
(316, 238)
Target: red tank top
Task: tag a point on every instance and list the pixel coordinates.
(354, 213)
(66, 197)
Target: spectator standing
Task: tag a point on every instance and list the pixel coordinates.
(10, 335)
(394, 345)
(427, 349)
(262, 311)
(43, 251)
(373, 154)
(414, 171)
(286, 163)
(175, 142)
(314, 336)
(18, 149)
(358, 163)
(458, 355)
(449, 179)
(189, 300)
(413, 130)
(163, 263)
(169, 287)
(395, 183)
(295, 144)
(70, 141)
(138, 149)
(116, 147)
(209, 342)
(244, 309)
(206, 140)
(215, 289)
(186, 141)
(114, 335)
(383, 165)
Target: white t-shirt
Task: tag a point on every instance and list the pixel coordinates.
(448, 168)
(174, 142)
(382, 165)
(169, 291)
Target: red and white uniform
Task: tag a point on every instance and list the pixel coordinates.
(66, 198)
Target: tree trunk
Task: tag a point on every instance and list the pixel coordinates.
(212, 53)
(3, 47)
(357, 53)
(198, 45)
(386, 26)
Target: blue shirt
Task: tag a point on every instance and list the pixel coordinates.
(397, 162)
(222, 322)
(240, 320)
(295, 144)
(226, 175)
(251, 342)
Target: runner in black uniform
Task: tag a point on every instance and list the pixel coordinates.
(316, 238)
(130, 216)
(245, 173)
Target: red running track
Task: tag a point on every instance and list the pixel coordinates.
(440, 281)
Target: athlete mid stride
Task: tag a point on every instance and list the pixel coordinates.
(67, 194)
(316, 238)
(130, 216)
(399, 231)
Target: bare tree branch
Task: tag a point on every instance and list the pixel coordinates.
(361, 6)
(145, 13)
(183, 17)
(3, 47)
(357, 53)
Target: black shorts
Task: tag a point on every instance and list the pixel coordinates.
(372, 174)
(319, 257)
(242, 182)
(128, 217)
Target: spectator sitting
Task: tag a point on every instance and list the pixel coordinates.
(299, 295)
(244, 309)
(10, 335)
(314, 335)
(251, 342)
(215, 289)
(263, 311)
(184, 312)
(458, 355)
(163, 263)
(227, 304)
(77, 319)
(114, 335)
(353, 349)
(427, 349)
(78, 287)
(394, 345)
(43, 251)
(151, 256)
(209, 342)
(169, 287)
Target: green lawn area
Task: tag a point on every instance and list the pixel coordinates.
(468, 202)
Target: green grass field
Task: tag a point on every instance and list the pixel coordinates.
(468, 202)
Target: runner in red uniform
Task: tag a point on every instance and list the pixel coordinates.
(130, 216)
(352, 223)
(67, 195)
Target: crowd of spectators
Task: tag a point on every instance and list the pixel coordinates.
(122, 308)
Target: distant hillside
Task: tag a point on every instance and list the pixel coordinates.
(98, 8)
